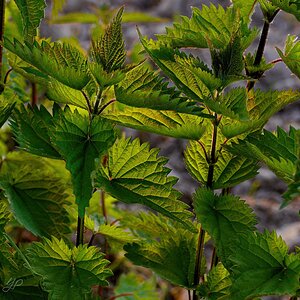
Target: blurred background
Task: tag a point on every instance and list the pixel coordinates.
(263, 193)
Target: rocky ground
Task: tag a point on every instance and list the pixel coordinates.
(264, 192)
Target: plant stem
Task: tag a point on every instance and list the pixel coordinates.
(103, 206)
(105, 105)
(209, 184)
(87, 102)
(80, 230)
(261, 46)
(2, 18)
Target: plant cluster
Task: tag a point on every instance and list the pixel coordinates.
(70, 164)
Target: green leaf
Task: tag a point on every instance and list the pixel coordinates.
(227, 62)
(109, 51)
(263, 260)
(293, 190)
(143, 88)
(189, 74)
(229, 170)
(225, 218)
(232, 105)
(261, 106)
(61, 61)
(137, 286)
(291, 55)
(80, 268)
(162, 122)
(289, 6)
(32, 12)
(218, 284)
(36, 193)
(256, 71)
(268, 9)
(163, 256)
(115, 235)
(4, 215)
(214, 24)
(134, 174)
(80, 141)
(278, 151)
(61, 93)
(31, 128)
(6, 107)
(104, 78)
(246, 9)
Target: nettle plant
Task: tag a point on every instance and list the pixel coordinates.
(68, 149)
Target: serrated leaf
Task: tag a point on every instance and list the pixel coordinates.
(232, 105)
(278, 151)
(214, 23)
(162, 122)
(291, 55)
(229, 169)
(224, 217)
(136, 287)
(218, 284)
(253, 70)
(261, 106)
(36, 193)
(186, 80)
(80, 141)
(227, 62)
(32, 12)
(31, 128)
(267, 8)
(246, 9)
(293, 190)
(289, 6)
(80, 267)
(134, 174)
(104, 78)
(6, 107)
(61, 61)
(143, 88)
(162, 257)
(263, 260)
(61, 93)
(109, 51)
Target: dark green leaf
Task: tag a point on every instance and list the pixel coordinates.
(109, 51)
(36, 193)
(225, 218)
(31, 127)
(263, 261)
(80, 141)
(218, 284)
(134, 174)
(32, 12)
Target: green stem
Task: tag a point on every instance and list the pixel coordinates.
(2, 18)
(80, 231)
(209, 184)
